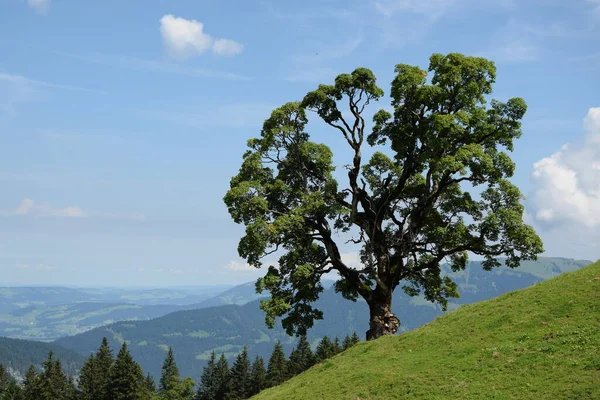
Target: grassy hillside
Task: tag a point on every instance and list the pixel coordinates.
(537, 343)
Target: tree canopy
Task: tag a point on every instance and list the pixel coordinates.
(435, 189)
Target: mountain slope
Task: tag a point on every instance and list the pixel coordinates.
(541, 342)
(48, 313)
(194, 334)
(17, 355)
(240, 295)
(54, 321)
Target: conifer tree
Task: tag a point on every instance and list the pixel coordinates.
(240, 376)
(222, 378)
(355, 338)
(207, 387)
(9, 388)
(31, 385)
(169, 374)
(301, 358)
(277, 371)
(104, 360)
(4, 378)
(150, 384)
(335, 347)
(258, 376)
(324, 349)
(71, 391)
(89, 383)
(347, 343)
(53, 383)
(126, 379)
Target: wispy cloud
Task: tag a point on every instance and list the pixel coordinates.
(596, 5)
(227, 47)
(240, 267)
(153, 65)
(307, 15)
(210, 115)
(36, 267)
(22, 81)
(29, 207)
(184, 38)
(41, 6)
(18, 89)
(515, 42)
(171, 68)
(315, 67)
(432, 9)
(518, 50)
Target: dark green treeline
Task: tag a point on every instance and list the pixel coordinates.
(105, 376)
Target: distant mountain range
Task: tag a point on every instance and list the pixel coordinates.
(193, 334)
(13, 298)
(48, 313)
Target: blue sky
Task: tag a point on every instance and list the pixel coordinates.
(121, 122)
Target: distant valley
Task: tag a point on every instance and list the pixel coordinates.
(48, 313)
(193, 334)
(223, 322)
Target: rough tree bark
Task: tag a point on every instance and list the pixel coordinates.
(381, 319)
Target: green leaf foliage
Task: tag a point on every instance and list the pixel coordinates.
(436, 188)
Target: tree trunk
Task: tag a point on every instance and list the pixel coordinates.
(382, 321)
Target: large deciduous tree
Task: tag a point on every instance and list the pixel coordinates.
(435, 188)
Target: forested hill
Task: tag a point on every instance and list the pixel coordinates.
(17, 355)
(539, 343)
(194, 334)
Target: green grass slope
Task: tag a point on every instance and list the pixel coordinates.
(542, 342)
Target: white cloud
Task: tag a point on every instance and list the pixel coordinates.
(227, 47)
(40, 6)
(239, 266)
(567, 183)
(29, 207)
(185, 38)
(25, 207)
(351, 260)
